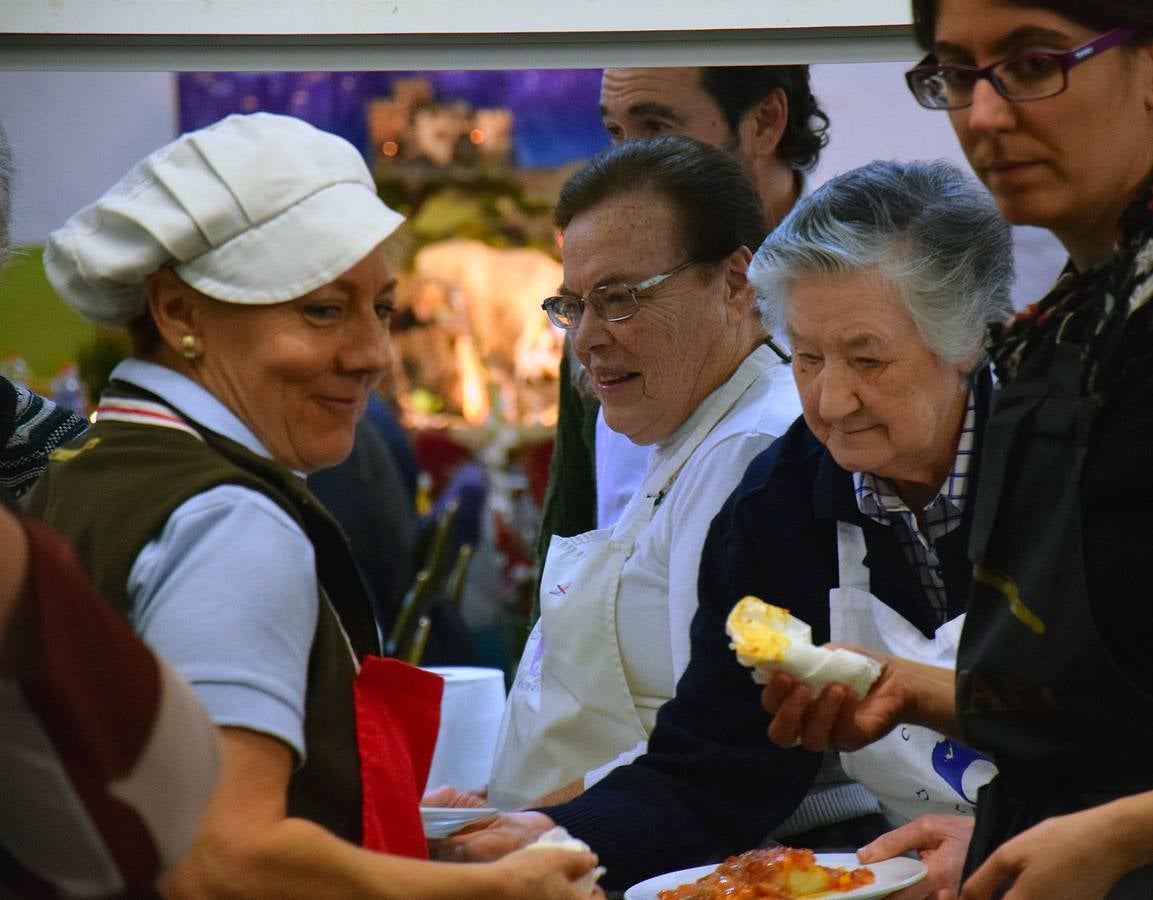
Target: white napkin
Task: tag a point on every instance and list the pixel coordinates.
(771, 639)
(470, 714)
(558, 838)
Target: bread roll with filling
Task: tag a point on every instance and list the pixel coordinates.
(770, 639)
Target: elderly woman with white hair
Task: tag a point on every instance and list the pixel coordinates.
(247, 260)
(856, 520)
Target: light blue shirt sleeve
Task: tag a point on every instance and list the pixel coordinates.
(227, 593)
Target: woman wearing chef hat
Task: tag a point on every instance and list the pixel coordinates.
(247, 260)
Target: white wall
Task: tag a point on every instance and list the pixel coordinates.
(873, 116)
(75, 133)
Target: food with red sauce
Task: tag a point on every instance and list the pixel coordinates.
(779, 873)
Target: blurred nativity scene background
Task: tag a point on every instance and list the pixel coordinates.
(475, 161)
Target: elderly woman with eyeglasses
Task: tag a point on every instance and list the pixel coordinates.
(1052, 101)
(657, 239)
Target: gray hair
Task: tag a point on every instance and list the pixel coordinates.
(932, 231)
(7, 171)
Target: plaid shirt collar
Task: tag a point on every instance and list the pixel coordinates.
(877, 497)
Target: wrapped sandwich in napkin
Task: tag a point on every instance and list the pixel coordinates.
(558, 838)
(770, 640)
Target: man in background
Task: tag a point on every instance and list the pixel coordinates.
(765, 116)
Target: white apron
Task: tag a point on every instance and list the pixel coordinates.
(570, 708)
(913, 771)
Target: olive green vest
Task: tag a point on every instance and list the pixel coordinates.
(110, 492)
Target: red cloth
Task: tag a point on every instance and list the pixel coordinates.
(439, 454)
(397, 717)
(535, 458)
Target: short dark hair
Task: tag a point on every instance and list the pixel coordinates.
(736, 89)
(717, 207)
(1101, 14)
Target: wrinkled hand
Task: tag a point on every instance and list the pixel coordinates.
(835, 720)
(492, 838)
(447, 795)
(1065, 856)
(941, 842)
(546, 875)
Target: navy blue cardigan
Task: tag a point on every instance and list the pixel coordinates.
(711, 783)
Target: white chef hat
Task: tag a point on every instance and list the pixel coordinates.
(254, 209)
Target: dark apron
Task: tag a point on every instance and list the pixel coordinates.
(1036, 686)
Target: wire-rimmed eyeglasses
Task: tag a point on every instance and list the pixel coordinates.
(612, 302)
(1030, 76)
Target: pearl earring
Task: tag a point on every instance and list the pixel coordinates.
(188, 347)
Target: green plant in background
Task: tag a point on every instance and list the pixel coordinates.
(35, 324)
(97, 358)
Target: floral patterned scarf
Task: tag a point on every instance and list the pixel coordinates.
(1106, 308)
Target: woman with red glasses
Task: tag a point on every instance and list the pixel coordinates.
(1053, 105)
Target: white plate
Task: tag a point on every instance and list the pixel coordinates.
(891, 875)
(441, 821)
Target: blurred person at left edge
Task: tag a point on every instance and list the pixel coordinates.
(107, 761)
(247, 260)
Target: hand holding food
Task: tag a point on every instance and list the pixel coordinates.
(559, 839)
(548, 874)
(770, 639)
